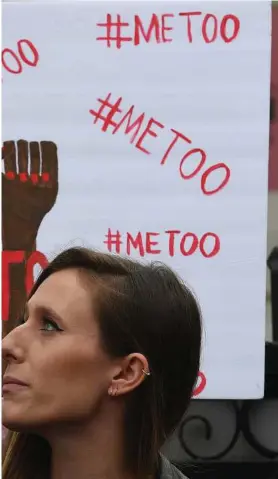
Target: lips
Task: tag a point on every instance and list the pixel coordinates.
(12, 385)
(7, 380)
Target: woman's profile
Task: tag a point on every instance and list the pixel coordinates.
(100, 370)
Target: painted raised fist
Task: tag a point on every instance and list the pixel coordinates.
(29, 190)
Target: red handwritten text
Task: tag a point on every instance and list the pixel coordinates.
(26, 54)
(10, 258)
(178, 242)
(140, 131)
(158, 28)
(201, 384)
(210, 27)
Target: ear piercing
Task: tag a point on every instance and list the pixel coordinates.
(113, 392)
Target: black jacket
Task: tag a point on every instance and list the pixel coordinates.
(168, 471)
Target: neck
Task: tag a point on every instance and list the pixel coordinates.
(91, 451)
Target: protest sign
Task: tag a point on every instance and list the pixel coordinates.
(142, 128)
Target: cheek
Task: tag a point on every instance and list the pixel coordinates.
(69, 378)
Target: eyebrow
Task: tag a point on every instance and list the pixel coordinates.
(47, 311)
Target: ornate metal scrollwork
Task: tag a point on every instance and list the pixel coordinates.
(249, 434)
(208, 429)
(242, 426)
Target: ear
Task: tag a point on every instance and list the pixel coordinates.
(134, 370)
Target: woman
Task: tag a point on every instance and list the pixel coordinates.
(100, 370)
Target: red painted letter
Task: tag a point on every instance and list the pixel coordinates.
(130, 126)
(172, 144)
(35, 258)
(193, 246)
(135, 243)
(31, 63)
(201, 384)
(146, 132)
(188, 14)
(216, 248)
(8, 258)
(198, 168)
(204, 28)
(139, 30)
(205, 175)
(172, 234)
(223, 28)
(150, 243)
(164, 28)
(9, 69)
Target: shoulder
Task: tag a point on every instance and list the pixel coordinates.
(169, 471)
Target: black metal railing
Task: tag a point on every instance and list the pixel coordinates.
(214, 465)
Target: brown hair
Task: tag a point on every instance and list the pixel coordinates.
(142, 308)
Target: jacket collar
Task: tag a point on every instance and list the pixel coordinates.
(168, 471)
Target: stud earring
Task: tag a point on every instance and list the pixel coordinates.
(112, 391)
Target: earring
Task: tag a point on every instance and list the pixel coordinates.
(113, 392)
(146, 373)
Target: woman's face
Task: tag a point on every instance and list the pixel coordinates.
(57, 353)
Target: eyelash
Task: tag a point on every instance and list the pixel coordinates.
(45, 321)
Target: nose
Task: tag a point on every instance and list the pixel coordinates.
(12, 348)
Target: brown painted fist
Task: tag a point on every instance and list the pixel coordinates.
(29, 190)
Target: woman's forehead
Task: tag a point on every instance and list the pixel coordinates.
(67, 295)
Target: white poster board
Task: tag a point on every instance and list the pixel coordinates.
(177, 169)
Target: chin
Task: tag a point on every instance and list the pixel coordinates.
(14, 425)
(16, 422)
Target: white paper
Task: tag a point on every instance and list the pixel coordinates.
(215, 94)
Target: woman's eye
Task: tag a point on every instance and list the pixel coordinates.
(49, 325)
